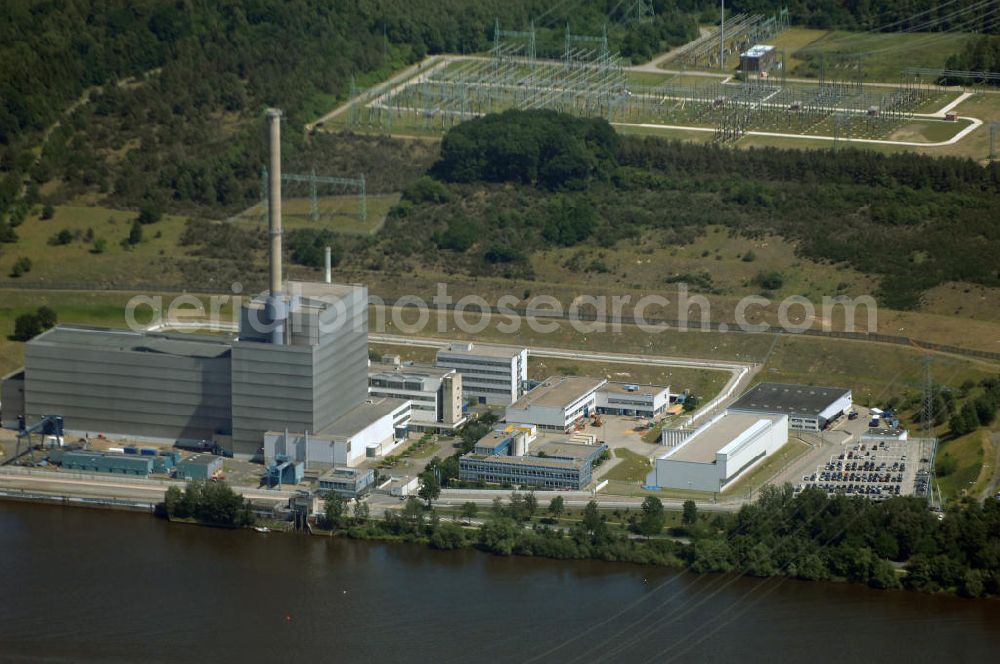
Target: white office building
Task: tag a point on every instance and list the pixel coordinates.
(368, 430)
(557, 403)
(435, 394)
(633, 400)
(491, 374)
(718, 452)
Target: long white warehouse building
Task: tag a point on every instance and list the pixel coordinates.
(718, 452)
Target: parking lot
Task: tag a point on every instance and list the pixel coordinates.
(876, 469)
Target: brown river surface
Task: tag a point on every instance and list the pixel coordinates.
(89, 585)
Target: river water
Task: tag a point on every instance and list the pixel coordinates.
(89, 585)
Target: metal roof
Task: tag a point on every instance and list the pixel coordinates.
(757, 50)
(808, 400)
(558, 392)
(641, 390)
(102, 338)
(481, 350)
(361, 417)
(200, 460)
(713, 436)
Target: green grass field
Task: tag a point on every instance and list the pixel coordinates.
(967, 455)
(341, 214)
(632, 467)
(884, 55)
(76, 262)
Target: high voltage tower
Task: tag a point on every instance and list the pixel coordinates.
(356, 186)
(927, 414)
(528, 35)
(994, 140)
(639, 11)
(734, 35)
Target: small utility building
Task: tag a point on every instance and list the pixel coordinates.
(758, 58)
(199, 467)
(808, 407)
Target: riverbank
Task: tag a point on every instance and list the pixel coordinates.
(809, 536)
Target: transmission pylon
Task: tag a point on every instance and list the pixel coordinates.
(529, 35)
(994, 140)
(839, 121)
(639, 11)
(928, 406)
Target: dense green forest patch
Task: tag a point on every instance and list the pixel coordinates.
(912, 220)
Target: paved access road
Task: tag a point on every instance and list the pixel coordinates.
(101, 485)
(574, 499)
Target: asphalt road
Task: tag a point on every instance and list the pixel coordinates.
(58, 483)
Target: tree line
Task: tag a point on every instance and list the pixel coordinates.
(897, 543)
(209, 503)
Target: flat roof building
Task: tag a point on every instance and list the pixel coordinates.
(145, 385)
(502, 457)
(556, 404)
(567, 471)
(758, 58)
(366, 430)
(105, 462)
(347, 482)
(435, 393)
(491, 374)
(718, 452)
(191, 388)
(199, 467)
(808, 407)
(633, 400)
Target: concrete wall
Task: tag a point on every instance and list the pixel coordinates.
(745, 451)
(684, 475)
(272, 391)
(746, 454)
(451, 398)
(106, 390)
(322, 452)
(300, 387)
(11, 398)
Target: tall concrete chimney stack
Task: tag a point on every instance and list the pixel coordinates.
(276, 301)
(328, 262)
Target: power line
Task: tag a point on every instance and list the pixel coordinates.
(940, 36)
(964, 24)
(882, 28)
(923, 27)
(538, 19)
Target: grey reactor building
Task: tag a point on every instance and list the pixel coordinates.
(186, 387)
(299, 363)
